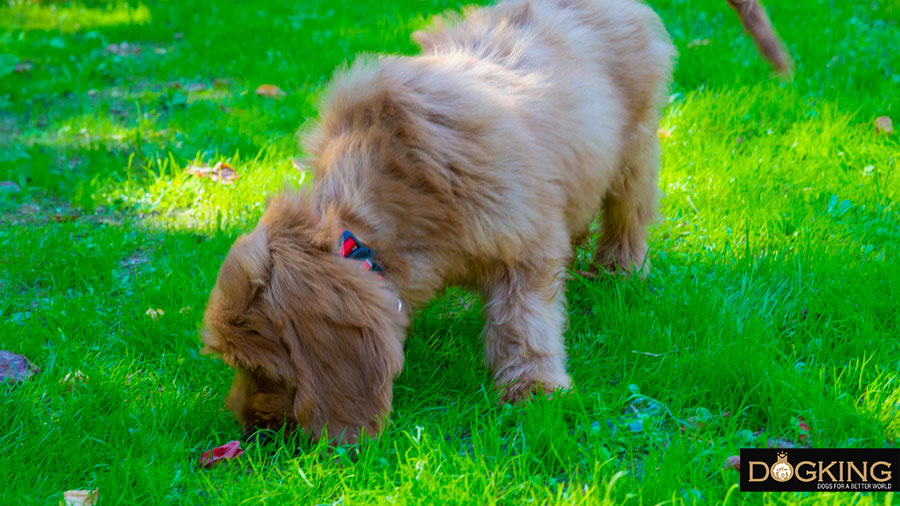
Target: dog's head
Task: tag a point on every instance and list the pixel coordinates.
(315, 341)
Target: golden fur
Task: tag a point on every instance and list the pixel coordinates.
(755, 20)
(480, 163)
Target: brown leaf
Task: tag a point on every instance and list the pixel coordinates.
(23, 67)
(15, 368)
(221, 172)
(884, 125)
(80, 498)
(733, 462)
(154, 314)
(73, 379)
(228, 451)
(270, 90)
(123, 49)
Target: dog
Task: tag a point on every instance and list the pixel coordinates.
(755, 20)
(479, 163)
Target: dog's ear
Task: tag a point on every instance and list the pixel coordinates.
(236, 326)
(345, 335)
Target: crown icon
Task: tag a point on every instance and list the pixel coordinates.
(781, 455)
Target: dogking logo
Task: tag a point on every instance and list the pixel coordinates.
(782, 471)
(820, 469)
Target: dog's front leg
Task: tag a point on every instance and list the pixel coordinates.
(525, 317)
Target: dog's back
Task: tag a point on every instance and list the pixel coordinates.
(588, 77)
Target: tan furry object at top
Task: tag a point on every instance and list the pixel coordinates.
(479, 163)
(755, 20)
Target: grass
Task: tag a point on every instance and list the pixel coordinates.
(773, 294)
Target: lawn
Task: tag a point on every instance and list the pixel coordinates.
(773, 294)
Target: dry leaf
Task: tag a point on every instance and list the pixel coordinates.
(123, 49)
(155, 313)
(884, 125)
(80, 498)
(228, 451)
(734, 462)
(223, 173)
(73, 379)
(270, 90)
(198, 170)
(23, 67)
(698, 42)
(15, 368)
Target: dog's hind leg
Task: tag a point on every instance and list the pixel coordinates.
(525, 316)
(630, 205)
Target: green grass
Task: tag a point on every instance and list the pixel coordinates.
(773, 294)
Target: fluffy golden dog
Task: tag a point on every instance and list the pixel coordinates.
(479, 163)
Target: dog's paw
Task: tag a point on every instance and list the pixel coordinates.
(522, 391)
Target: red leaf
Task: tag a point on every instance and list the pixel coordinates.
(228, 451)
(15, 368)
(804, 430)
(733, 462)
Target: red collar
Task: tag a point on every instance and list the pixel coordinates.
(352, 248)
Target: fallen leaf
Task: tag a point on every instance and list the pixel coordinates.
(733, 462)
(270, 90)
(198, 170)
(154, 313)
(80, 498)
(804, 430)
(225, 109)
(221, 172)
(884, 125)
(15, 368)
(123, 49)
(160, 50)
(73, 379)
(229, 450)
(23, 66)
(698, 42)
(9, 186)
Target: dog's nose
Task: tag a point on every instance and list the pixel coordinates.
(257, 435)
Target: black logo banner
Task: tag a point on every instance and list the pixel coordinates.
(820, 469)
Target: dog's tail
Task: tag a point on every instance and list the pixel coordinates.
(756, 21)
